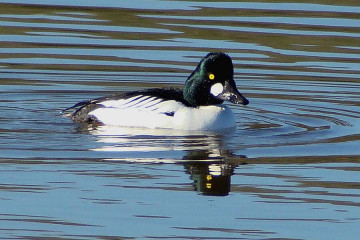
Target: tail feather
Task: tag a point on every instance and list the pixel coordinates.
(81, 111)
(77, 105)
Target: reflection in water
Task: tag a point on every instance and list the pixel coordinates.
(119, 139)
(204, 159)
(211, 178)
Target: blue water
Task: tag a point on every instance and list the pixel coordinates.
(288, 171)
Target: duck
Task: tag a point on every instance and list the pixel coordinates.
(199, 105)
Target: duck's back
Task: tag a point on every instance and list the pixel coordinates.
(128, 108)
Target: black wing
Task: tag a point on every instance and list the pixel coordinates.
(82, 109)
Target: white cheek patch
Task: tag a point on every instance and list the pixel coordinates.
(216, 89)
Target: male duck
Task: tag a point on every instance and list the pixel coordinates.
(197, 107)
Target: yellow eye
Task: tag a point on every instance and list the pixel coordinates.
(211, 76)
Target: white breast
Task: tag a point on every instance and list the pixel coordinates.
(204, 118)
(151, 112)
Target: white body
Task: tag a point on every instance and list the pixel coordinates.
(149, 112)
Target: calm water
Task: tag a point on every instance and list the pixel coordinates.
(291, 170)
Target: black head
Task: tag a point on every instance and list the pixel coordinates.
(212, 82)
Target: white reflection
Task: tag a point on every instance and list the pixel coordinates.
(201, 153)
(197, 145)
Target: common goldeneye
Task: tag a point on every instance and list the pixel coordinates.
(196, 107)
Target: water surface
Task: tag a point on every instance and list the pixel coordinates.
(290, 170)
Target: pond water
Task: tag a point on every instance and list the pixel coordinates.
(290, 170)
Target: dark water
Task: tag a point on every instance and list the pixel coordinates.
(291, 170)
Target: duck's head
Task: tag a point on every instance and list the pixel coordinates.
(212, 82)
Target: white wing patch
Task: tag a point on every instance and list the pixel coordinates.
(138, 100)
(138, 111)
(141, 103)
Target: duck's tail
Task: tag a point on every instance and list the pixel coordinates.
(75, 107)
(80, 111)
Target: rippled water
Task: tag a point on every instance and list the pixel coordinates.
(289, 171)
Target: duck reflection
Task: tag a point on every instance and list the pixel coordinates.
(211, 178)
(202, 154)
